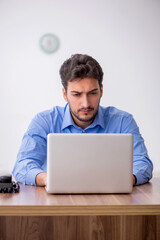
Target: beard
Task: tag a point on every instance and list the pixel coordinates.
(89, 119)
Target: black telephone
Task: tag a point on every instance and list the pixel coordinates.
(7, 185)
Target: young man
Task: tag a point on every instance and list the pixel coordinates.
(81, 77)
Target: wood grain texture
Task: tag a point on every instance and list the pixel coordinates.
(34, 201)
(147, 194)
(94, 210)
(158, 227)
(33, 214)
(80, 228)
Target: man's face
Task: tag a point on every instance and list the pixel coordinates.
(83, 96)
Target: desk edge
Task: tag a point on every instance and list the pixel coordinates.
(65, 210)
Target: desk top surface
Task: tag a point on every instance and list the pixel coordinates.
(144, 199)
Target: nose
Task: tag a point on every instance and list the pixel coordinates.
(85, 102)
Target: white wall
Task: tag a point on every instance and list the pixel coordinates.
(123, 36)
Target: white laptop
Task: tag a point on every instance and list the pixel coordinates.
(89, 163)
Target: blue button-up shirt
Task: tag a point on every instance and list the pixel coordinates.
(31, 158)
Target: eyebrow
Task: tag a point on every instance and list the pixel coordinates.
(93, 90)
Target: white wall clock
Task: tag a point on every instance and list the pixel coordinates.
(49, 43)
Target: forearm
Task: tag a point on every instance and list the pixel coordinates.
(142, 165)
(142, 169)
(26, 173)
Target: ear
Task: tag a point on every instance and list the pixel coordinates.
(64, 94)
(101, 90)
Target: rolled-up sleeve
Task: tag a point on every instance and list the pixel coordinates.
(142, 165)
(31, 158)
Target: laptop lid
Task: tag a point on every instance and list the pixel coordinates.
(89, 163)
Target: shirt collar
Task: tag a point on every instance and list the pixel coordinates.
(99, 119)
(67, 118)
(68, 121)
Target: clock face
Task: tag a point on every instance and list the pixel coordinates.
(49, 43)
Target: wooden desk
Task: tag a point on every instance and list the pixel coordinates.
(34, 214)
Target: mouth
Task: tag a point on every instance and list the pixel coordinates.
(86, 110)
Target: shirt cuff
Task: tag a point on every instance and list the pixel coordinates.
(31, 176)
(139, 179)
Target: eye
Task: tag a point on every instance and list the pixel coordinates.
(93, 93)
(76, 94)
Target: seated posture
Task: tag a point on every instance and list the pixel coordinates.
(81, 77)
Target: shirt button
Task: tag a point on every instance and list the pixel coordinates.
(83, 131)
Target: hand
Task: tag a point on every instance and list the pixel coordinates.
(41, 179)
(134, 180)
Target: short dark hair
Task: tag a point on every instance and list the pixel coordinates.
(80, 66)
